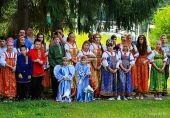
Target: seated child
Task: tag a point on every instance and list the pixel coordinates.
(64, 74)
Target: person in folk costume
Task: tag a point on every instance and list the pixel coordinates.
(56, 53)
(83, 71)
(38, 58)
(142, 66)
(133, 49)
(157, 74)
(64, 74)
(20, 42)
(46, 77)
(23, 72)
(123, 37)
(71, 53)
(125, 74)
(97, 48)
(9, 57)
(110, 65)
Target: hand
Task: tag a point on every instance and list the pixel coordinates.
(29, 76)
(159, 69)
(144, 62)
(114, 71)
(13, 69)
(41, 62)
(98, 68)
(20, 76)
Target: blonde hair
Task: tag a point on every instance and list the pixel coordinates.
(160, 49)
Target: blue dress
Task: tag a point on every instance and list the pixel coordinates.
(60, 73)
(109, 80)
(83, 72)
(24, 66)
(125, 80)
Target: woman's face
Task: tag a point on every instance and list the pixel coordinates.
(129, 38)
(72, 37)
(41, 37)
(141, 40)
(158, 45)
(22, 41)
(97, 39)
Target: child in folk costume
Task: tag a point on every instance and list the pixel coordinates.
(71, 53)
(142, 67)
(24, 72)
(64, 74)
(38, 58)
(83, 71)
(56, 53)
(125, 74)
(46, 77)
(110, 65)
(97, 48)
(8, 71)
(157, 76)
(133, 49)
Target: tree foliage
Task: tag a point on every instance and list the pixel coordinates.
(82, 15)
(161, 21)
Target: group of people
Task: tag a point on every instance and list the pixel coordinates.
(111, 71)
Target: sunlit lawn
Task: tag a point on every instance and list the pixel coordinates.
(94, 109)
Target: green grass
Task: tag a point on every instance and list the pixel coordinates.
(94, 109)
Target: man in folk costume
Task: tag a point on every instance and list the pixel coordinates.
(9, 58)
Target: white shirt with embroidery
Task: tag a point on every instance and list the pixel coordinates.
(89, 52)
(106, 54)
(154, 52)
(121, 53)
(9, 55)
(95, 46)
(67, 47)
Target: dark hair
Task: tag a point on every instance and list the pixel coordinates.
(2, 38)
(29, 27)
(83, 57)
(23, 46)
(113, 36)
(142, 49)
(43, 37)
(37, 40)
(18, 42)
(59, 28)
(55, 37)
(69, 35)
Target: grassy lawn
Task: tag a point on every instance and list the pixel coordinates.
(95, 109)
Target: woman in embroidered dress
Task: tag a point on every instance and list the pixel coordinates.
(142, 66)
(125, 74)
(110, 65)
(133, 49)
(71, 53)
(9, 81)
(157, 76)
(97, 48)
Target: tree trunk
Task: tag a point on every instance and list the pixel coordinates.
(22, 14)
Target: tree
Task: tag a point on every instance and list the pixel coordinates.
(161, 21)
(82, 14)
